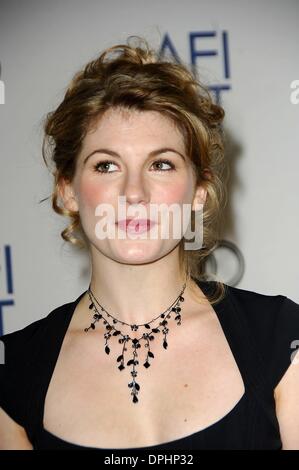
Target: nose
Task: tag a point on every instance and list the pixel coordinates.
(135, 189)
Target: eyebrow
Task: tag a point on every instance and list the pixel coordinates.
(153, 153)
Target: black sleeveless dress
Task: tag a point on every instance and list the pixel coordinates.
(260, 330)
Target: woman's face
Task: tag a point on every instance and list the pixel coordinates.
(129, 168)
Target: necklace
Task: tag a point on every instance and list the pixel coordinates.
(136, 342)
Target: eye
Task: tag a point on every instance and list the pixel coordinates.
(102, 167)
(99, 166)
(167, 162)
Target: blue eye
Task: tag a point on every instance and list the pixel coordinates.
(101, 167)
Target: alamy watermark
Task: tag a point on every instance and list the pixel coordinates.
(2, 90)
(161, 221)
(294, 96)
(294, 355)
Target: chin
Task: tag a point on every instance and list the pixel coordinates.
(136, 254)
(137, 251)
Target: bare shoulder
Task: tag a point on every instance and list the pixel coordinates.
(12, 435)
(287, 406)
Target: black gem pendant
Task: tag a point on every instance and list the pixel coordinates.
(107, 350)
(165, 344)
(92, 326)
(121, 367)
(155, 330)
(146, 364)
(135, 399)
(91, 305)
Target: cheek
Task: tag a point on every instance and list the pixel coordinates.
(92, 193)
(180, 193)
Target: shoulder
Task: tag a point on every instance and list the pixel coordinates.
(15, 342)
(23, 340)
(247, 299)
(19, 359)
(265, 312)
(20, 344)
(273, 321)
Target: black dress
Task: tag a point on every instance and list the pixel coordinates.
(259, 329)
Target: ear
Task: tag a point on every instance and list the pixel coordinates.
(199, 197)
(67, 194)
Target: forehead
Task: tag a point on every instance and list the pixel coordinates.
(123, 124)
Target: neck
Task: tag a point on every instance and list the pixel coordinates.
(135, 294)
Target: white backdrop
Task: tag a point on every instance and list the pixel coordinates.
(43, 43)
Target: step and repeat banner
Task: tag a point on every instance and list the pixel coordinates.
(246, 52)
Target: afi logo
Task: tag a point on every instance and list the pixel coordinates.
(2, 353)
(218, 52)
(6, 283)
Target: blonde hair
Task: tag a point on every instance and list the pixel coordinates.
(133, 77)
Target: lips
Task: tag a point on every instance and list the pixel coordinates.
(136, 225)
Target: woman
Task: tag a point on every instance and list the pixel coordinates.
(93, 373)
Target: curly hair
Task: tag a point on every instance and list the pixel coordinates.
(133, 77)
